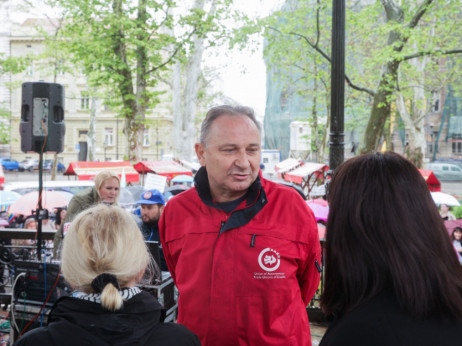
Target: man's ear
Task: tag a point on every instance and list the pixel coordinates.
(200, 152)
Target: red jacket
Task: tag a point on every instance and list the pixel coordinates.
(245, 277)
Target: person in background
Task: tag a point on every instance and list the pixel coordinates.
(151, 206)
(103, 258)
(445, 213)
(456, 238)
(243, 251)
(106, 190)
(391, 274)
(25, 247)
(16, 221)
(60, 215)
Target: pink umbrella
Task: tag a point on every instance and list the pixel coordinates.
(50, 199)
(320, 212)
(319, 201)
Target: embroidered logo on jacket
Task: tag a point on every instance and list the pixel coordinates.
(269, 260)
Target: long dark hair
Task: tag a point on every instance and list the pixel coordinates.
(384, 233)
(58, 220)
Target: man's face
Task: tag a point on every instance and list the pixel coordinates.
(150, 213)
(231, 156)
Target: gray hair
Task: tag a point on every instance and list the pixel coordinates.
(215, 112)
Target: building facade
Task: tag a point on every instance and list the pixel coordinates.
(110, 141)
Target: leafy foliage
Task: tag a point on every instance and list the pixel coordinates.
(382, 38)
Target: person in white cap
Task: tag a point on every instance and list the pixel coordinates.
(152, 204)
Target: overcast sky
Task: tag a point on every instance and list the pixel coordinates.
(242, 73)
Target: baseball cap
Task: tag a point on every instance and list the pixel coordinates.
(151, 197)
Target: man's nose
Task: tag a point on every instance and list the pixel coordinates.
(242, 159)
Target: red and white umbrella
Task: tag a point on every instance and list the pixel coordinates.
(50, 200)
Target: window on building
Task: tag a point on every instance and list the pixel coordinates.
(105, 105)
(457, 147)
(60, 68)
(30, 68)
(84, 100)
(146, 138)
(436, 100)
(108, 137)
(83, 133)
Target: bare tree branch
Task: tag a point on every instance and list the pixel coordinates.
(325, 56)
(419, 13)
(175, 51)
(431, 52)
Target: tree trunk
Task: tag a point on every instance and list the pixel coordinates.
(178, 127)
(186, 128)
(387, 85)
(414, 119)
(91, 135)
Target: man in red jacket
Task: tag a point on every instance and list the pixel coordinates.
(243, 251)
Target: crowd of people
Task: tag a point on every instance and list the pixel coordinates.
(245, 256)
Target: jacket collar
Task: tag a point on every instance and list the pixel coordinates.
(256, 200)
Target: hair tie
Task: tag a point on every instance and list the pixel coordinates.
(102, 280)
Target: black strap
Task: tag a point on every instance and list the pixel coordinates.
(102, 280)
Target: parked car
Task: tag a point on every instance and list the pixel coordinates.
(48, 164)
(445, 171)
(9, 164)
(29, 164)
(33, 165)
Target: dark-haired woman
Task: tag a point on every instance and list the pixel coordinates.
(456, 237)
(392, 275)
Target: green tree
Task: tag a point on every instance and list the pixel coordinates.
(8, 65)
(382, 39)
(124, 46)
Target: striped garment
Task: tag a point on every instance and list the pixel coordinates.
(126, 293)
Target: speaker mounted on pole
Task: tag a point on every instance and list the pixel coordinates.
(42, 125)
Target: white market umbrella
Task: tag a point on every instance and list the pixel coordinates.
(444, 198)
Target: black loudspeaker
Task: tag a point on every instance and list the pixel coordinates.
(42, 125)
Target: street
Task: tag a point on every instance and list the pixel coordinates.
(451, 187)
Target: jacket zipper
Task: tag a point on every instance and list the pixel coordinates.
(252, 240)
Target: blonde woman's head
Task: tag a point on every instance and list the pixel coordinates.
(107, 185)
(104, 239)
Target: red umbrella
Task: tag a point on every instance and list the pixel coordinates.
(50, 199)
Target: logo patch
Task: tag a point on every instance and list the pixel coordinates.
(269, 260)
(147, 195)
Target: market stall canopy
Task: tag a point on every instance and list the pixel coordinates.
(193, 166)
(432, 181)
(287, 165)
(169, 169)
(305, 171)
(86, 170)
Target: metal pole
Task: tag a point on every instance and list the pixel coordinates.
(336, 144)
(38, 212)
